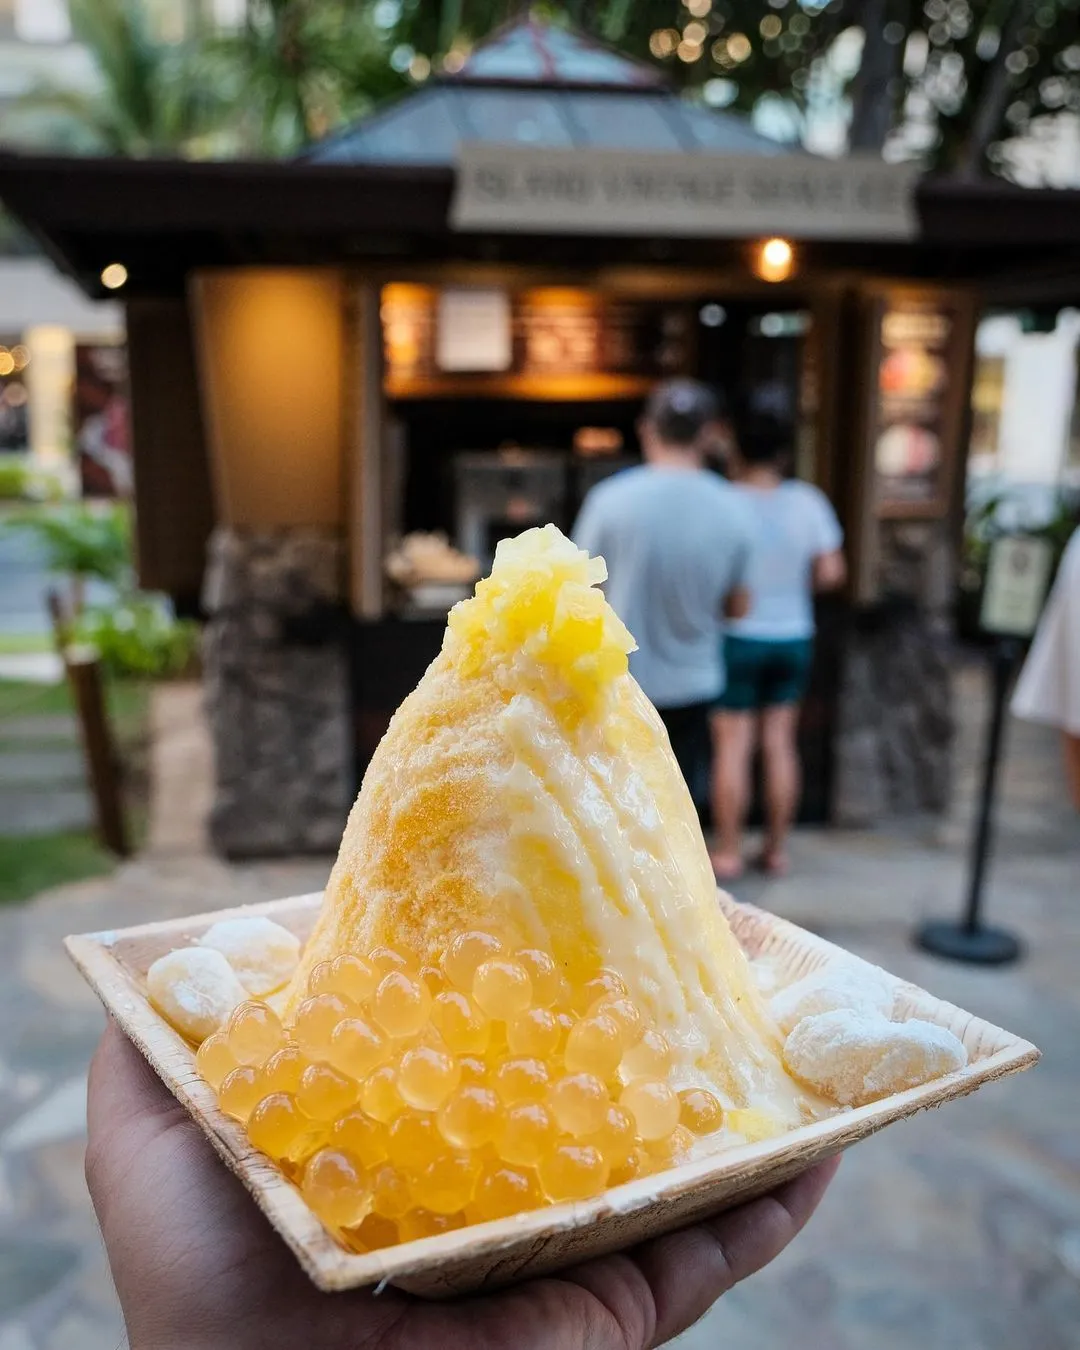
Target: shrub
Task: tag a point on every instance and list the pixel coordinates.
(140, 636)
(14, 479)
(82, 541)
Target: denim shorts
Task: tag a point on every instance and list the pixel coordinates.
(762, 673)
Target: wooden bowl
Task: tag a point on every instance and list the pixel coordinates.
(487, 1255)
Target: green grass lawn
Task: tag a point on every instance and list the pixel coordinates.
(17, 644)
(32, 863)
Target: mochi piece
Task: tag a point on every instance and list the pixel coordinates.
(263, 954)
(195, 989)
(838, 984)
(857, 1057)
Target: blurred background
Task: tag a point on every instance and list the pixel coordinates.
(305, 304)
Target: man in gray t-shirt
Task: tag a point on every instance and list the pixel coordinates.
(677, 541)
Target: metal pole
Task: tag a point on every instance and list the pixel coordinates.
(969, 940)
(1004, 660)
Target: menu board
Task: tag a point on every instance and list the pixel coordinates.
(556, 331)
(916, 346)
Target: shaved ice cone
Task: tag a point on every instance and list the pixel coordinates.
(527, 788)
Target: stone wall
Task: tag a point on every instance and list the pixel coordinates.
(276, 692)
(895, 723)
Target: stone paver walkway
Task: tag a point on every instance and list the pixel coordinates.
(958, 1230)
(42, 774)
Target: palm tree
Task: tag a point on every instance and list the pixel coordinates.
(153, 97)
(299, 67)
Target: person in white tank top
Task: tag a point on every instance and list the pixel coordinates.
(768, 651)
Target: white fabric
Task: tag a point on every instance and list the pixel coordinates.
(1049, 685)
(794, 523)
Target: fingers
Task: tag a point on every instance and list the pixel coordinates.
(646, 1296)
(688, 1271)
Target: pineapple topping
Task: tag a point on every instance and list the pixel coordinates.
(542, 602)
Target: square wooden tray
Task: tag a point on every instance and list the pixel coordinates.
(487, 1255)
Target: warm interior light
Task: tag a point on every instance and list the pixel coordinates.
(114, 275)
(775, 260)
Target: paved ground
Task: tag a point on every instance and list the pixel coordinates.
(958, 1230)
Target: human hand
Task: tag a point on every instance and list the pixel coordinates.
(197, 1267)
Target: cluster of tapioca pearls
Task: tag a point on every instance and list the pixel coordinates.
(406, 1101)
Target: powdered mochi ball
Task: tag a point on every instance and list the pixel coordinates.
(263, 954)
(195, 989)
(836, 985)
(857, 1057)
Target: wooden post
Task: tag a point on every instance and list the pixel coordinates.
(82, 666)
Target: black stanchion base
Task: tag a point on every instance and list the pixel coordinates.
(979, 946)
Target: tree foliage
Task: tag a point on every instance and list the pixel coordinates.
(154, 97)
(947, 81)
(950, 82)
(298, 68)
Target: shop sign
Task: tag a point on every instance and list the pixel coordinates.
(1016, 580)
(590, 191)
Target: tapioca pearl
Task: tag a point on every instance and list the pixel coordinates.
(572, 1171)
(521, 1079)
(401, 1004)
(465, 952)
(502, 988)
(654, 1106)
(578, 1102)
(357, 1047)
(334, 1187)
(471, 1117)
(427, 1076)
(527, 1131)
(595, 1046)
(462, 1025)
(535, 1032)
(325, 1092)
(502, 1191)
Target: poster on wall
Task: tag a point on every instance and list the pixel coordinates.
(473, 330)
(100, 420)
(917, 358)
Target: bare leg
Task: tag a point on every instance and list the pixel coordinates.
(783, 780)
(1071, 746)
(733, 741)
